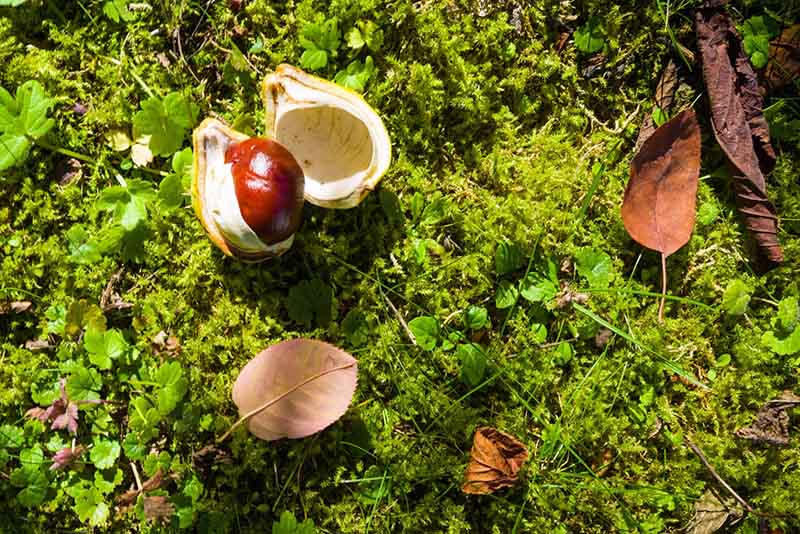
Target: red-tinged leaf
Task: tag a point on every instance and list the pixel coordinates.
(739, 125)
(295, 388)
(494, 461)
(658, 210)
(66, 456)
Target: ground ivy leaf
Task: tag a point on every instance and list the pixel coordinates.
(539, 333)
(82, 250)
(13, 150)
(736, 298)
(782, 345)
(134, 448)
(473, 363)
(476, 317)
(104, 346)
(104, 453)
(506, 295)
(84, 384)
(11, 437)
(166, 122)
(173, 387)
(537, 288)
(425, 330)
(595, 266)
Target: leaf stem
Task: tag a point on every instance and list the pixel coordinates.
(663, 288)
(270, 402)
(64, 151)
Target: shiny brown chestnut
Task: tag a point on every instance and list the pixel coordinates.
(247, 192)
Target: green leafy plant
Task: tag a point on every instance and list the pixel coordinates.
(784, 338)
(310, 301)
(595, 266)
(320, 39)
(23, 121)
(288, 524)
(365, 33)
(166, 122)
(356, 75)
(757, 32)
(117, 10)
(590, 37)
(736, 298)
(426, 331)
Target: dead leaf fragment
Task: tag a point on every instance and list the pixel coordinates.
(664, 96)
(739, 125)
(495, 461)
(38, 345)
(658, 209)
(710, 514)
(153, 483)
(20, 306)
(771, 426)
(158, 508)
(784, 58)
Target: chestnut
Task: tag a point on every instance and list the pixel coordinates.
(247, 192)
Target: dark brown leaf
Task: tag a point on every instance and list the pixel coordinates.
(158, 508)
(495, 461)
(659, 205)
(739, 125)
(771, 426)
(784, 58)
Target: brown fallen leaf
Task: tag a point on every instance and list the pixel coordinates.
(784, 59)
(658, 209)
(495, 461)
(711, 513)
(20, 306)
(38, 345)
(771, 426)
(153, 483)
(739, 125)
(663, 98)
(158, 508)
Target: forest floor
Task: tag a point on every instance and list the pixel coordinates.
(488, 281)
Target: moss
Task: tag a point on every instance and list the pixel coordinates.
(495, 133)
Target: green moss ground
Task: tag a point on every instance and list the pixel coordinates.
(494, 135)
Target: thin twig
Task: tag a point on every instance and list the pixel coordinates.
(402, 321)
(719, 479)
(270, 402)
(136, 476)
(663, 288)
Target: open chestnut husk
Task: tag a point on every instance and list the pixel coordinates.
(247, 192)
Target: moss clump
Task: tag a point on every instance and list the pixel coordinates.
(496, 131)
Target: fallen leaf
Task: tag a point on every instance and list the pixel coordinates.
(295, 388)
(739, 125)
(784, 59)
(710, 514)
(495, 461)
(38, 345)
(658, 209)
(158, 508)
(153, 483)
(20, 306)
(664, 96)
(771, 426)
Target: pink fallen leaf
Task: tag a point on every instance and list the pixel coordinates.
(294, 389)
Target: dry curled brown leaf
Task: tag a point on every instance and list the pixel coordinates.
(771, 426)
(495, 461)
(739, 125)
(658, 209)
